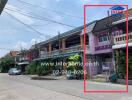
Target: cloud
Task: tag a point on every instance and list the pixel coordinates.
(19, 36)
(26, 45)
(3, 53)
(34, 41)
(52, 30)
(21, 45)
(58, 18)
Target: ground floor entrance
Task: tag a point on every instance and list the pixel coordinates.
(99, 64)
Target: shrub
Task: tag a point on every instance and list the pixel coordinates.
(44, 70)
(74, 65)
(32, 68)
(122, 65)
(130, 67)
(6, 64)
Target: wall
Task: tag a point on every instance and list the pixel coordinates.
(91, 38)
(105, 46)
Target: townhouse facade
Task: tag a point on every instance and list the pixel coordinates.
(103, 39)
(64, 45)
(101, 59)
(108, 37)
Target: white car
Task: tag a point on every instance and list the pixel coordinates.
(14, 71)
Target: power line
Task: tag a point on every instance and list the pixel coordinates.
(81, 18)
(28, 26)
(43, 18)
(36, 25)
(7, 49)
(18, 10)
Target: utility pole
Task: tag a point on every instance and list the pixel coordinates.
(20, 52)
(15, 61)
(36, 50)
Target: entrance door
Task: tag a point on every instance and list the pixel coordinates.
(105, 62)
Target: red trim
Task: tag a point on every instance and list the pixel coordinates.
(100, 5)
(84, 45)
(84, 58)
(127, 48)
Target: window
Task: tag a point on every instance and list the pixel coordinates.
(103, 38)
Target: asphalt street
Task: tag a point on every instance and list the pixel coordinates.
(23, 88)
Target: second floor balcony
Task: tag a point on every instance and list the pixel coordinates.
(121, 39)
(62, 51)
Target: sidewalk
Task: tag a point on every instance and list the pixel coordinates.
(48, 77)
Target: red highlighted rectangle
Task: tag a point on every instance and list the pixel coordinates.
(84, 55)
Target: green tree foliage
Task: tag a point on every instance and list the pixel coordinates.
(74, 62)
(45, 69)
(6, 63)
(36, 67)
(74, 67)
(122, 64)
(130, 67)
(32, 68)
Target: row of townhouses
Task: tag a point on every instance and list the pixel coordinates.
(104, 38)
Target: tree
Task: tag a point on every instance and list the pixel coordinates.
(121, 64)
(130, 66)
(32, 67)
(74, 62)
(6, 64)
(74, 67)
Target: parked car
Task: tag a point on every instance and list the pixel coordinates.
(14, 71)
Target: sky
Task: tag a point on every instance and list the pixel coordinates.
(15, 36)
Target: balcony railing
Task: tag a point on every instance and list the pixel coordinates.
(66, 50)
(73, 48)
(121, 39)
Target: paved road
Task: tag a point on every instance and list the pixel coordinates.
(22, 88)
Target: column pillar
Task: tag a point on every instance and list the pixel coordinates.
(116, 62)
(50, 47)
(63, 44)
(81, 40)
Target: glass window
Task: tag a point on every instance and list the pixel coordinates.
(103, 38)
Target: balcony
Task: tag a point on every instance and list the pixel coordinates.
(121, 39)
(66, 50)
(73, 48)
